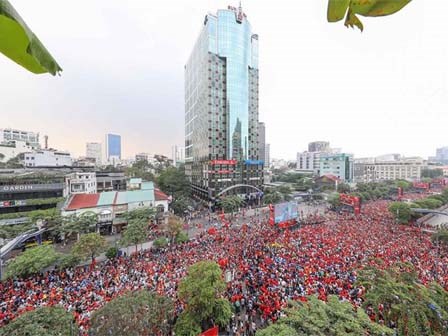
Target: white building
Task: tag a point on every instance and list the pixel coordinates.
(94, 151)
(150, 158)
(309, 162)
(381, 170)
(48, 158)
(267, 156)
(9, 134)
(178, 155)
(10, 149)
(80, 183)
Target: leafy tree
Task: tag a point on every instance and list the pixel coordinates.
(181, 205)
(182, 237)
(337, 9)
(231, 203)
(141, 169)
(142, 213)
(403, 184)
(68, 260)
(343, 188)
(395, 297)
(334, 200)
(78, 225)
(90, 245)
(401, 211)
(187, 325)
(173, 227)
(272, 198)
(136, 313)
(160, 242)
(202, 291)
(32, 261)
(48, 321)
(319, 318)
(136, 232)
(111, 252)
(173, 181)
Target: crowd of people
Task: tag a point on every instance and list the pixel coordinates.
(269, 267)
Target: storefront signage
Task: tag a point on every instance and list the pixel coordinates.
(30, 187)
(223, 162)
(254, 162)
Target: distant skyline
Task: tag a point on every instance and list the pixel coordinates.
(372, 93)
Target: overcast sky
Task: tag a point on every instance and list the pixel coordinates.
(371, 93)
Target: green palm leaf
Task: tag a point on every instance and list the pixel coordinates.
(19, 43)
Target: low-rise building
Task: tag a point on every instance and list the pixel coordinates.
(339, 165)
(23, 190)
(110, 205)
(48, 158)
(11, 149)
(110, 181)
(9, 134)
(380, 170)
(80, 183)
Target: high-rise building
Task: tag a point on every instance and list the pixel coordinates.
(221, 108)
(94, 151)
(319, 146)
(8, 134)
(178, 154)
(442, 155)
(267, 156)
(113, 148)
(262, 141)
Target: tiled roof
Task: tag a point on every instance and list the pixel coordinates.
(83, 201)
(125, 197)
(106, 198)
(160, 196)
(331, 177)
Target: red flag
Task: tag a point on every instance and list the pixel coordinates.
(211, 332)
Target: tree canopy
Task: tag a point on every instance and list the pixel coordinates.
(395, 297)
(48, 321)
(90, 245)
(136, 313)
(32, 261)
(202, 291)
(319, 318)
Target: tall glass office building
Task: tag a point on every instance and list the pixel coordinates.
(113, 147)
(221, 108)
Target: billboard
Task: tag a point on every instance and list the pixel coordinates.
(286, 211)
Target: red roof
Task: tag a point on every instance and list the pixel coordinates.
(331, 177)
(160, 196)
(81, 201)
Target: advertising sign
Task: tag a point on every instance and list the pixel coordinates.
(254, 162)
(223, 162)
(286, 211)
(20, 188)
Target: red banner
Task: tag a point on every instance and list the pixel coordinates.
(211, 332)
(421, 185)
(223, 162)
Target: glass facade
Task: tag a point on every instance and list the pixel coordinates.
(113, 145)
(221, 105)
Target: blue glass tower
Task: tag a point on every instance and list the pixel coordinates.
(113, 146)
(221, 107)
